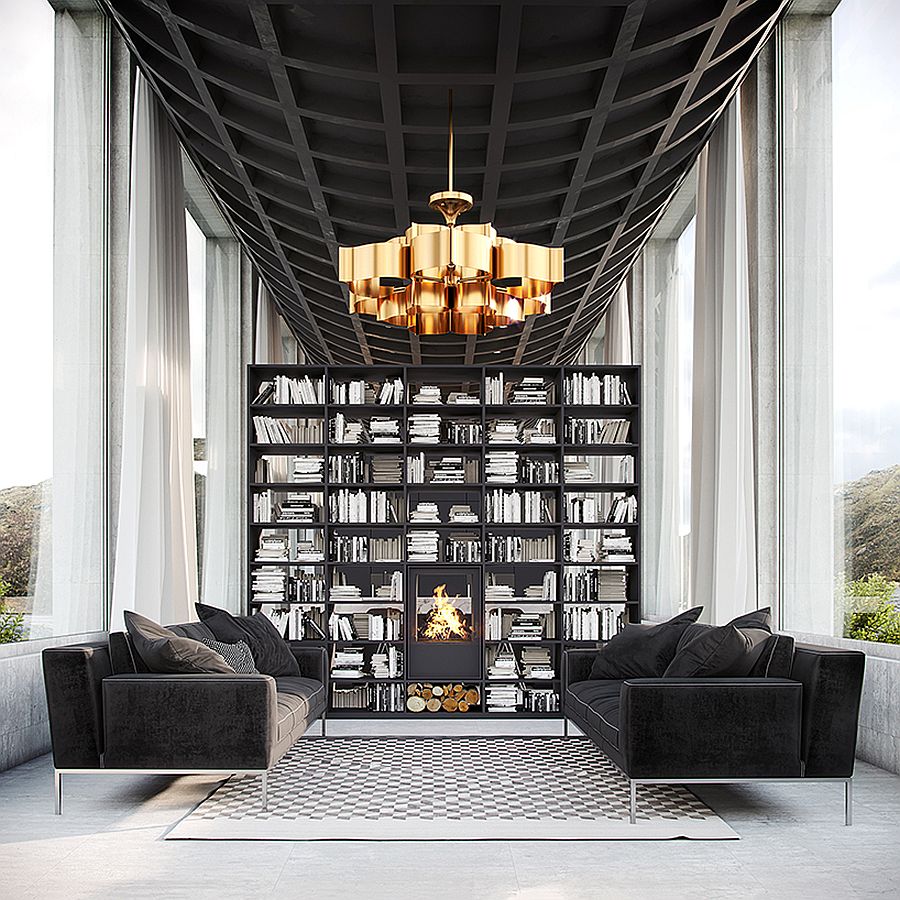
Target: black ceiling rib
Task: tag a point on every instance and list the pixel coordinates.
(323, 123)
(501, 102)
(200, 86)
(612, 78)
(686, 92)
(268, 40)
(386, 62)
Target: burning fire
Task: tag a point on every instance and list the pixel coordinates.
(444, 621)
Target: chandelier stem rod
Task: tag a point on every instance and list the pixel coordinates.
(450, 146)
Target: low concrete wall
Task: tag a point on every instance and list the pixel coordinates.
(24, 729)
(879, 716)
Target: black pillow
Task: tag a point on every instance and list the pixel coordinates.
(271, 654)
(730, 650)
(166, 653)
(238, 655)
(642, 651)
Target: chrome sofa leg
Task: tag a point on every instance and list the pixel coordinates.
(58, 791)
(848, 801)
(632, 801)
(264, 784)
(324, 732)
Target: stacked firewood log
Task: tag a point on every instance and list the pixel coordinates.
(434, 698)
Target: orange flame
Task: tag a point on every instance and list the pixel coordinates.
(444, 620)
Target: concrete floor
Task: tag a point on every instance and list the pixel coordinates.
(110, 844)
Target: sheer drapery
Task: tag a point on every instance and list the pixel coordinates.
(617, 337)
(269, 347)
(662, 437)
(221, 577)
(68, 557)
(723, 534)
(156, 554)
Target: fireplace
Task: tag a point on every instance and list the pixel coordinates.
(443, 618)
(445, 605)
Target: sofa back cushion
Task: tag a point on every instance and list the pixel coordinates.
(775, 659)
(166, 653)
(642, 651)
(271, 654)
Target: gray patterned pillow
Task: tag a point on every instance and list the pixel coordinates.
(238, 655)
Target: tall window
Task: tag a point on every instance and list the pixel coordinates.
(841, 323)
(668, 286)
(52, 472)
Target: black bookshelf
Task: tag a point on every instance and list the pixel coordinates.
(517, 574)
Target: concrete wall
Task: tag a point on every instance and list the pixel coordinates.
(24, 729)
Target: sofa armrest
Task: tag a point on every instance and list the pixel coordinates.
(711, 727)
(313, 661)
(189, 721)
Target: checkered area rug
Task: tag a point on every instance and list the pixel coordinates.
(436, 788)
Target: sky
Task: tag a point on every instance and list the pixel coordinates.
(866, 123)
(26, 241)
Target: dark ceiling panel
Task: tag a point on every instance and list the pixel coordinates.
(324, 123)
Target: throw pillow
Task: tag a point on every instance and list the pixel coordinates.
(238, 655)
(730, 650)
(166, 653)
(271, 654)
(642, 651)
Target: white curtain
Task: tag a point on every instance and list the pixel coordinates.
(156, 553)
(221, 523)
(68, 554)
(269, 346)
(661, 497)
(723, 537)
(617, 337)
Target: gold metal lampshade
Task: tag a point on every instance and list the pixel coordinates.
(437, 279)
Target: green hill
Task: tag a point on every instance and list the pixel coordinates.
(871, 524)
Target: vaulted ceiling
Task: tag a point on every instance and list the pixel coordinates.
(319, 124)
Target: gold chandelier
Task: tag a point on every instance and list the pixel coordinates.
(437, 279)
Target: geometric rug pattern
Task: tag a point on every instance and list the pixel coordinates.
(437, 788)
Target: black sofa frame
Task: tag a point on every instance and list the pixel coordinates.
(91, 687)
(728, 730)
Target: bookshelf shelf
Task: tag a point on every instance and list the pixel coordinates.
(537, 553)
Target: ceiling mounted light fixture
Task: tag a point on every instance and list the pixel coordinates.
(437, 279)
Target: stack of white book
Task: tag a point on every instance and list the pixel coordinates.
(422, 546)
(530, 390)
(298, 509)
(462, 513)
(536, 663)
(386, 469)
(457, 398)
(269, 585)
(307, 551)
(501, 466)
(425, 428)
(348, 663)
(498, 592)
(427, 393)
(384, 430)
(425, 512)
(527, 626)
(503, 431)
(343, 592)
(448, 470)
(504, 664)
(344, 431)
(272, 548)
(616, 546)
(308, 469)
(505, 698)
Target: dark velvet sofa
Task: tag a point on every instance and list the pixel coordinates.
(108, 714)
(798, 724)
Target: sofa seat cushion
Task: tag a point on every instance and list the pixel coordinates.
(300, 701)
(597, 704)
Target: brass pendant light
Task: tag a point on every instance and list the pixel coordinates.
(437, 279)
